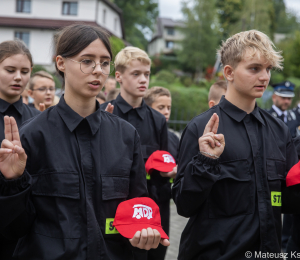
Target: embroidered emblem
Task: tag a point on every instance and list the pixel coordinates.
(142, 211)
(168, 158)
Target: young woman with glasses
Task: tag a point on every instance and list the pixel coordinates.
(64, 176)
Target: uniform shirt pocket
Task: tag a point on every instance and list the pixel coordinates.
(231, 194)
(56, 199)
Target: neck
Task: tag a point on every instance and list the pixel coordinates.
(131, 100)
(82, 106)
(241, 101)
(10, 100)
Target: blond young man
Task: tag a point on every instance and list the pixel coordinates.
(234, 194)
(42, 89)
(132, 67)
(216, 91)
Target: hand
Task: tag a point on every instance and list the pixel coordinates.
(109, 108)
(171, 174)
(210, 141)
(147, 239)
(42, 107)
(12, 156)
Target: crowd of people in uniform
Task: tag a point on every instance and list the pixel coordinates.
(66, 165)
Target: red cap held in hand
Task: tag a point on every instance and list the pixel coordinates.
(161, 161)
(293, 176)
(137, 214)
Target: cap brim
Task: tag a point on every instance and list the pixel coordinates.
(129, 231)
(285, 94)
(163, 168)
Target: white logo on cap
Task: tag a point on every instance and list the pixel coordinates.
(168, 158)
(142, 211)
(287, 84)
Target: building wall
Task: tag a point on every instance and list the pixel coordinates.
(50, 9)
(110, 18)
(40, 43)
(156, 47)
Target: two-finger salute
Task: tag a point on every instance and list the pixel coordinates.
(212, 144)
(12, 155)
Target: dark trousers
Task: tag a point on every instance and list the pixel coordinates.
(286, 231)
(292, 249)
(7, 249)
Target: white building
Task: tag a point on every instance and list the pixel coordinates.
(166, 37)
(36, 21)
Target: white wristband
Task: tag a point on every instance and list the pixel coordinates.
(212, 155)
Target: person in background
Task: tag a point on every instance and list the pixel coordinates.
(133, 67)
(110, 85)
(15, 68)
(216, 91)
(101, 97)
(282, 99)
(42, 89)
(25, 96)
(112, 94)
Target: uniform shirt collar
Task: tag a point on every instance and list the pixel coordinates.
(279, 111)
(125, 107)
(236, 113)
(5, 105)
(72, 119)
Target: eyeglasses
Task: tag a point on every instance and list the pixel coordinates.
(44, 90)
(88, 66)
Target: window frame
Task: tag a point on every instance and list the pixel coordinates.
(21, 33)
(68, 3)
(21, 10)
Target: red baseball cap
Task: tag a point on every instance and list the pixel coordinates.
(160, 160)
(136, 214)
(293, 176)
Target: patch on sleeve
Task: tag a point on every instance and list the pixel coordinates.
(109, 228)
(276, 198)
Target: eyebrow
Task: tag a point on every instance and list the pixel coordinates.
(141, 71)
(93, 56)
(9, 66)
(258, 65)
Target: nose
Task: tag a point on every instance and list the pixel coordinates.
(98, 69)
(265, 76)
(17, 76)
(143, 78)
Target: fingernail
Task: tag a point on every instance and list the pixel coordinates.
(217, 136)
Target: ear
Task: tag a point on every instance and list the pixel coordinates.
(228, 73)
(60, 63)
(211, 103)
(118, 76)
(30, 93)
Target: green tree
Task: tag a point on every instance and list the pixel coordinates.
(201, 34)
(116, 45)
(139, 17)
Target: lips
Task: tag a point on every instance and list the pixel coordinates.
(17, 87)
(143, 88)
(95, 84)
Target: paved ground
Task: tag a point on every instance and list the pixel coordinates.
(177, 225)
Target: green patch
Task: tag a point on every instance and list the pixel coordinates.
(109, 228)
(276, 198)
(148, 177)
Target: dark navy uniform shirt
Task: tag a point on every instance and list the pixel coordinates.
(78, 171)
(152, 128)
(292, 121)
(235, 202)
(20, 111)
(173, 144)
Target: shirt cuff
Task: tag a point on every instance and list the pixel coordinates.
(20, 183)
(206, 160)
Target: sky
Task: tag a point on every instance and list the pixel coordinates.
(171, 8)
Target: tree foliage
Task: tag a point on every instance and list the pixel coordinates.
(201, 34)
(116, 45)
(139, 17)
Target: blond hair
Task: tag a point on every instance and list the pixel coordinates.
(128, 54)
(215, 91)
(232, 51)
(42, 74)
(155, 92)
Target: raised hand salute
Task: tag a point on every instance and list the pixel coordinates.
(12, 155)
(212, 144)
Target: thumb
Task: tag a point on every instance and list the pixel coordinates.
(42, 107)
(164, 242)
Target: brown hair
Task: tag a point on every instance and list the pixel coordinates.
(10, 48)
(154, 93)
(215, 91)
(42, 74)
(112, 94)
(72, 39)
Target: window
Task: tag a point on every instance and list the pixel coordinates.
(170, 31)
(104, 16)
(23, 36)
(70, 8)
(169, 45)
(23, 6)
